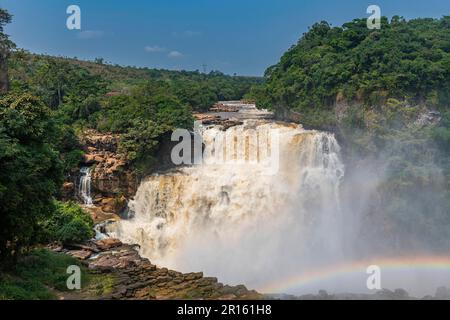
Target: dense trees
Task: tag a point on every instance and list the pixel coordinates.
(142, 104)
(31, 172)
(143, 117)
(374, 88)
(68, 223)
(403, 60)
(198, 90)
(5, 46)
(37, 145)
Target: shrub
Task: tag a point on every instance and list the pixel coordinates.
(68, 223)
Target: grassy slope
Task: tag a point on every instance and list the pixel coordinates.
(41, 275)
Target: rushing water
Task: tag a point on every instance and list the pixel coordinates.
(84, 188)
(252, 212)
(267, 208)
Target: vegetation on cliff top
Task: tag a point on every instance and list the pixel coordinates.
(405, 60)
(386, 94)
(142, 104)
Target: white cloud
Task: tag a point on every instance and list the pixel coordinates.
(90, 34)
(153, 49)
(175, 54)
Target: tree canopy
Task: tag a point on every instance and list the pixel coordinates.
(405, 60)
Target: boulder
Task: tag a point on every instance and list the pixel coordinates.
(108, 244)
(193, 276)
(110, 161)
(88, 159)
(68, 190)
(80, 254)
(98, 158)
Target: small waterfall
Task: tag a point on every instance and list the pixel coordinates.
(84, 189)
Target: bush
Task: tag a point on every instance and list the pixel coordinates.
(68, 223)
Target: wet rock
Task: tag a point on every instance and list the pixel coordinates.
(428, 118)
(107, 244)
(87, 246)
(111, 175)
(88, 159)
(228, 290)
(162, 279)
(227, 124)
(220, 107)
(206, 281)
(206, 118)
(136, 278)
(100, 216)
(141, 294)
(163, 271)
(193, 276)
(240, 290)
(80, 254)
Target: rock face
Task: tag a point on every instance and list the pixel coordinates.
(428, 118)
(68, 191)
(220, 107)
(112, 182)
(208, 119)
(136, 278)
(111, 175)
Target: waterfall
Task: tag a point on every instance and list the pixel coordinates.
(84, 189)
(239, 219)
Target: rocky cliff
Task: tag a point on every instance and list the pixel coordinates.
(112, 182)
(111, 175)
(132, 277)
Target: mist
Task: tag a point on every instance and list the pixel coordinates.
(298, 231)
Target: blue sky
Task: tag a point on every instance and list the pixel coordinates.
(233, 36)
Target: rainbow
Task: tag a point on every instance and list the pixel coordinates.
(338, 270)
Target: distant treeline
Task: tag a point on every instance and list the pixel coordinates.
(198, 90)
(140, 103)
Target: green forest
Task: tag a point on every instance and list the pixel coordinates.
(370, 87)
(404, 60)
(46, 102)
